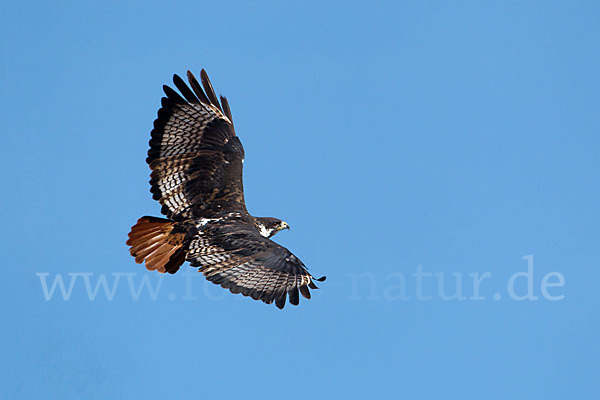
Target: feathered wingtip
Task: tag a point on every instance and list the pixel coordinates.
(294, 293)
(198, 94)
(312, 283)
(208, 89)
(201, 93)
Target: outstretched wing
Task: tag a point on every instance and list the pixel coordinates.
(230, 252)
(195, 156)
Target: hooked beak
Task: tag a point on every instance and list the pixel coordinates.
(286, 226)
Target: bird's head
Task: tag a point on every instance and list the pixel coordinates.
(269, 226)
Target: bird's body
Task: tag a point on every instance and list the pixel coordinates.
(196, 161)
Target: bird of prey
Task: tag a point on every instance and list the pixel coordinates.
(196, 161)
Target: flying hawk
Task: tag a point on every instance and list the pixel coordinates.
(196, 161)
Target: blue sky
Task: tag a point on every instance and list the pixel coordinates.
(458, 139)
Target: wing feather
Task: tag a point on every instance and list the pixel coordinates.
(226, 108)
(210, 92)
(197, 88)
(195, 157)
(231, 252)
(185, 90)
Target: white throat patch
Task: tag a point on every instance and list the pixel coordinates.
(264, 231)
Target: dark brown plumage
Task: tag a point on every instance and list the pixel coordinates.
(196, 161)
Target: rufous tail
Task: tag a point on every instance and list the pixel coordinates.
(152, 240)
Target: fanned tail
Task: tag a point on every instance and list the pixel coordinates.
(152, 240)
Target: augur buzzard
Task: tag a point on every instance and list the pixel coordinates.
(196, 161)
